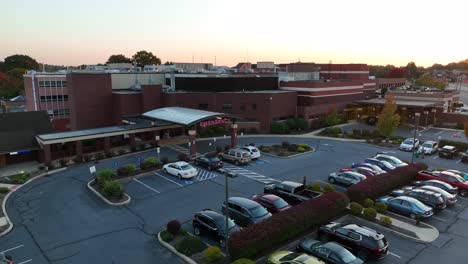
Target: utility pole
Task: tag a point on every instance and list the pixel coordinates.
(416, 125)
(227, 212)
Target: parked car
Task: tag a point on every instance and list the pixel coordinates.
(362, 170)
(237, 156)
(384, 165)
(330, 252)
(407, 206)
(271, 202)
(449, 152)
(181, 169)
(209, 162)
(368, 165)
(347, 178)
(409, 144)
(464, 158)
(429, 147)
(462, 174)
(254, 152)
(427, 197)
(293, 192)
(449, 198)
(439, 184)
(362, 241)
(390, 159)
(213, 224)
(245, 211)
(288, 257)
(448, 177)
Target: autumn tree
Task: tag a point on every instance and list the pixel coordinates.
(428, 81)
(118, 58)
(397, 73)
(388, 118)
(142, 58)
(412, 71)
(19, 61)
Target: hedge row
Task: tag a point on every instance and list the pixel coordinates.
(383, 184)
(287, 224)
(461, 146)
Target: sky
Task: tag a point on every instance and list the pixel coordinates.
(339, 31)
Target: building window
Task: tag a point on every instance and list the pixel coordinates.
(227, 106)
(41, 83)
(58, 112)
(52, 84)
(54, 98)
(179, 105)
(242, 107)
(203, 106)
(254, 107)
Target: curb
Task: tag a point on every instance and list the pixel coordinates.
(288, 157)
(105, 199)
(173, 250)
(10, 224)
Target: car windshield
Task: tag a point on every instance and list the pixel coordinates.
(258, 211)
(186, 167)
(408, 142)
(245, 155)
(214, 159)
(427, 145)
(420, 205)
(254, 150)
(346, 256)
(290, 256)
(458, 178)
(280, 203)
(222, 224)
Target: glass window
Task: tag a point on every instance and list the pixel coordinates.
(203, 106)
(41, 83)
(53, 84)
(258, 211)
(186, 167)
(227, 106)
(280, 203)
(46, 83)
(64, 83)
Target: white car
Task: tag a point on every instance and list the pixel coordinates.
(181, 169)
(408, 145)
(390, 159)
(254, 152)
(429, 147)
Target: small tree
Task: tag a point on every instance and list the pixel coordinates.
(466, 129)
(388, 118)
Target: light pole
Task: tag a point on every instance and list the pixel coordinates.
(416, 125)
(427, 116)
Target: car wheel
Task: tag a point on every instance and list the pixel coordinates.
(464, 193)
(331, 180)
(222, 242)
(413, 216)
(236, 162)
(180, 176)
(323, 237)
(362, 254)
(196, 231)
(165, 171)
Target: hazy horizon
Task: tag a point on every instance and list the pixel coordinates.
(88, 32)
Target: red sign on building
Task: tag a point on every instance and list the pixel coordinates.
(214, 122)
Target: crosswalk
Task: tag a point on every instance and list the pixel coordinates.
(204, 175)
(249, 174)
(183, 150)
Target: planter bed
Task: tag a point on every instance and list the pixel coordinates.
(286, 149)
(109, 200)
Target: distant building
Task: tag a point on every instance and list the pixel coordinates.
(243, 67)
(16, 104)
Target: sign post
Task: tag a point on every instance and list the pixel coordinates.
(158, 150)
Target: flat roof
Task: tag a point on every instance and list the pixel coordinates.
(381, 101)
(182, 116)
(250, 92)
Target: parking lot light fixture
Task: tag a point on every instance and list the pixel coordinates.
(416, 125)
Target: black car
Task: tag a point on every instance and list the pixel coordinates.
(439, 184)
(213, 224)
(245, 211)
(384, 165)
(464, 158)
(209, 162)
(329, 252)
(427, 197)
(362, 241)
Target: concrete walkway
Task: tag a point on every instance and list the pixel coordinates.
(426, 233)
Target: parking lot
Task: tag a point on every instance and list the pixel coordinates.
(159, 197)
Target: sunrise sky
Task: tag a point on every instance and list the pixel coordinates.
(342, 31)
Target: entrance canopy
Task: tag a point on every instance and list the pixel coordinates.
(183, 116)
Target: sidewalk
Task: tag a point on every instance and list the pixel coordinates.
(426, 233)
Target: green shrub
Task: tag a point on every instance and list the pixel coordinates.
(20, 178)
(304, 146)
(243, 261)
(190, 245)
(213, 254)
(292, 148)
(380, 207)
(356, 208)
(300, 149)
(150, 163)
(279, 128)
(112, 189)
(166, 236)
(328, 188)
(316, 187)
(173, 227)
(126, 169)
(332, 131)
(219, 149)
(386, 221)
(368, 202)
(4, 190)
(266, 149)
(369, 214)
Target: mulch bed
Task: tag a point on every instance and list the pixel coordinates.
(98, 188)
(279, 151)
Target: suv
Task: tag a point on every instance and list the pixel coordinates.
(445, 176)
(384, 165)
(439, 184)
(253, 151)
(431, 198)
(213, 224)
(390, 159)
(449, 152)
(362, 241)
(245, 211)
(238, 156)
(429, 147)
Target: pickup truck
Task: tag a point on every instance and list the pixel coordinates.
(293, 192)
(445, 176)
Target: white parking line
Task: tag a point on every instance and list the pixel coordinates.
(343, 188)
(29, 260)
(149, 187)
(450, 211)
(436, 157)
(458, 161)
(169, 180)
(439, 132)
(13, 248)
(440, 219)
(393, 254)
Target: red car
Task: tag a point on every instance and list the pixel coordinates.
(445, 176)
(271, 202)
(362, 170)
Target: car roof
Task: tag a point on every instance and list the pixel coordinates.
(239, 149)
(291, 183)
(180, 163)
(439, 182)
(249, 147)
(426, 191)
(354, 173)
(212, 214)
(432, 188)
(448, 147)
(429, 141)
(269, 197)
(244, 202)
(365, 231)
(407, 198)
